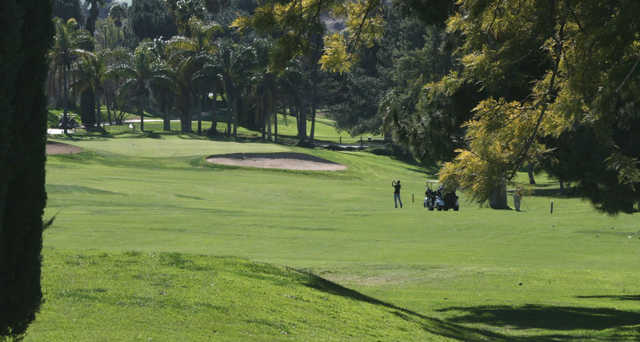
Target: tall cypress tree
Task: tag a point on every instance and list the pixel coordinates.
(23, 47)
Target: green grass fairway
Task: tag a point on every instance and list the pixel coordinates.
(325, 130)
(152, 243)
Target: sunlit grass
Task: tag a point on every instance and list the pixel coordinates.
(128, 204)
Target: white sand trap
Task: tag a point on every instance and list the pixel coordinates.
(283, 160)
(60, 148)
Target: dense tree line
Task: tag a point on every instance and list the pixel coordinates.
(180, 59)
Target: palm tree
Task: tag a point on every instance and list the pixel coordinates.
(187, 58)
(62, 55)
(91, 74)
(235, 62)
(292, 82)
(207, 85)
(139, 73)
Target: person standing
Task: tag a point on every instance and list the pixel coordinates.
(517, 197)
(396, 192)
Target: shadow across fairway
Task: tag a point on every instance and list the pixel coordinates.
(566, 320)
(546, 190)
(453, 328)
(561, 318)
(616, 297)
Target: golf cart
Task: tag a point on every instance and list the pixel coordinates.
(441, 200)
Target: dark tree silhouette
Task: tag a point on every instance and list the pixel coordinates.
(23, 118)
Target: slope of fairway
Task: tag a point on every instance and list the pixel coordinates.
(98, 296)
(477, 274)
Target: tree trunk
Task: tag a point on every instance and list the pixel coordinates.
(269, 123)
(532, 180)
(202, 105)
(229, 115)
(275, 127)
(186, 115)
(314, 90)
(498, 197)
(302, 122)
(313, 120)
(166, 121)
(262, 117)
(98, 111)
(236, 117)
(141, 113)
(23, 111)
(185, 121)
(214, 123)
(65, 115)
(107, 103)
(88, 109)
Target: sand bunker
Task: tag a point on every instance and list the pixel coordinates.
(283, 160)
(60, 148)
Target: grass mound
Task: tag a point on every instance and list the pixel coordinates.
(133, 296)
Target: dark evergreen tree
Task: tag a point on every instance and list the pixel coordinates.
(23, 119)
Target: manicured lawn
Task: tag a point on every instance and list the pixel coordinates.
(144, 226)
(287, 127)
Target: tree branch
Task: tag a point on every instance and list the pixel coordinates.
(521, 157)
(628, 75)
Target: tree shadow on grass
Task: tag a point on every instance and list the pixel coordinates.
(447, 328)
(616, 297)
(563, 318)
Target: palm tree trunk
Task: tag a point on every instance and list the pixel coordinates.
(107, 103)
(202, 106)
(98, 110)
(166, 123)
(275, 126)
(141, 113)
(65, 115)
(236, 117)
(214, 123)
(262, 116)
(229, 115)
(269, 123)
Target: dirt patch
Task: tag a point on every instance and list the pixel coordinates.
(60, 148)
(282, 160)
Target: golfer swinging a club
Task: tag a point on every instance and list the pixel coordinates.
(396, 192)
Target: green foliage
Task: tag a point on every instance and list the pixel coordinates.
(109, 35)
(292, 24)
(554, 58)
(184, 11)
(151, 19)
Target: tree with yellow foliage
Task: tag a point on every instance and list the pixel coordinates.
(544, 69)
